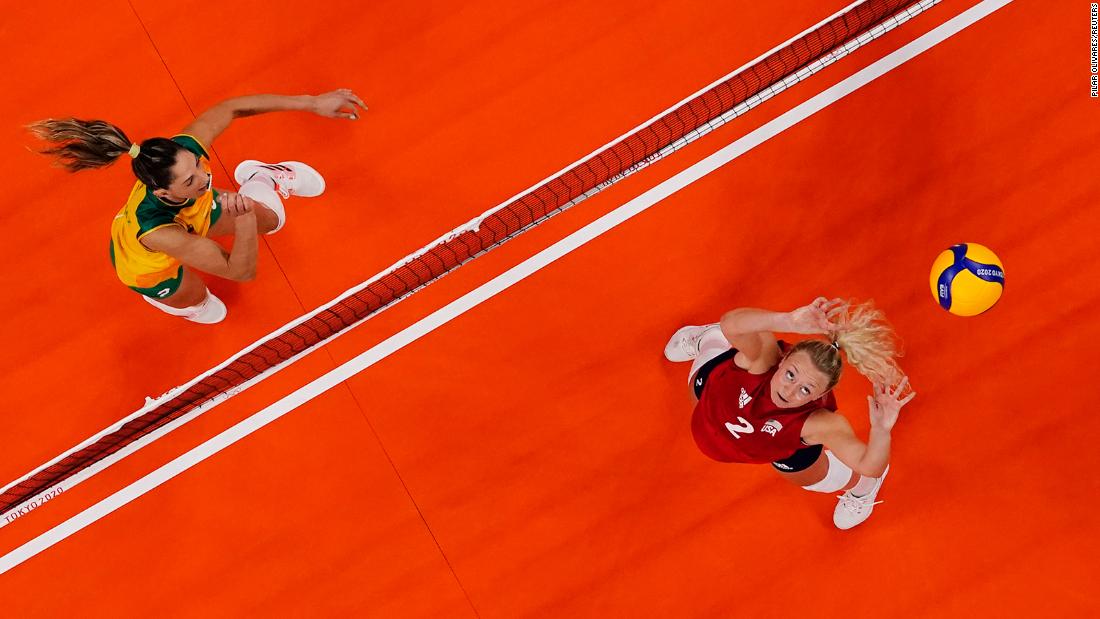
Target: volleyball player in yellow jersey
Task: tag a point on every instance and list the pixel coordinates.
(160, 237)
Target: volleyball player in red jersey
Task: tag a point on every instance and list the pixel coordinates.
(760, 400)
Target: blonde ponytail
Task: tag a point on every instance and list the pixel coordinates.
(81, 144)
(869, 342)
(864, 336)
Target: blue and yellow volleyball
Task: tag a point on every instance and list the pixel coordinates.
(967, 279)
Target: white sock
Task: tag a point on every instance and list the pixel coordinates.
(261, 188)
(863, 486)
(712, 344)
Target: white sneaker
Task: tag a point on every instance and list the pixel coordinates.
(684, 345)
(292, 178)
(853, 510)
(209, 311)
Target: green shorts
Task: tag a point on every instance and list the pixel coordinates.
(162, 290)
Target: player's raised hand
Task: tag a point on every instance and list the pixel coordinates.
(820, 316)
(887, 403)
(342, 103)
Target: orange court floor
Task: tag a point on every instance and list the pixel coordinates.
(533, 457)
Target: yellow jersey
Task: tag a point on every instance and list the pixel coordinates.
(138, 266)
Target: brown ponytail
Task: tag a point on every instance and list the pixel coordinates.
(82, 144)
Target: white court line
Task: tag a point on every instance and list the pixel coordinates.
(496, 285)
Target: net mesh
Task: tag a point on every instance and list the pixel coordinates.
(549, 198)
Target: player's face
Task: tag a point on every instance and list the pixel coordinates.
(797, 381)
(189, 178)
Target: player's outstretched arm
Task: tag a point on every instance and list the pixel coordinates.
(752, 331)
(208, 125)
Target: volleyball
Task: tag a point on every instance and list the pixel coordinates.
(967, 279)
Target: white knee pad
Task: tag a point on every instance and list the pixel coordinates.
(836, 477)
(262, 192)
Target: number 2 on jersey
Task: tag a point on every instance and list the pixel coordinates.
(745, 427)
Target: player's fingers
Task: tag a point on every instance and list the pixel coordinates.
(354, 98)
(901, 386)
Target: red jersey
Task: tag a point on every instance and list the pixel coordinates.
(737, 421)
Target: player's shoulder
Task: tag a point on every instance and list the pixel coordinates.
(770, 353)
(823, 423)
(191, 143)
(150, 213)
(169, 237)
